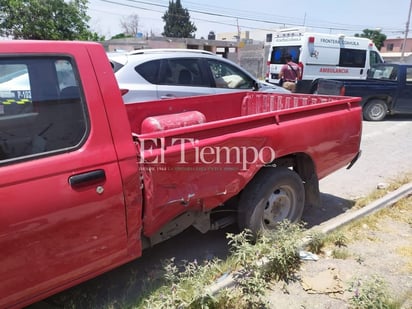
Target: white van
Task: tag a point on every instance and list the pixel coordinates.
(321, 55)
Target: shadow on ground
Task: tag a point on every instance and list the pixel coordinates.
(124, 285)
(331, 207)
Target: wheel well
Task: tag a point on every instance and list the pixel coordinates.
(386, 99)
(303, 164)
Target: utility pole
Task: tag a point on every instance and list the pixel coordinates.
(238, 40)
(406, 32)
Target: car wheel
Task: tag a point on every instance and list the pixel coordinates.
(272, 196)
(375, 110)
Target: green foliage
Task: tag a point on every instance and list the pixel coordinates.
(375, 35)
(184, 288)
(370, 294)
(255, 261)
(121, 36)
(177, 22)
(338, 238)
(46, 20)
(279, 249)
(340, 253)
(317, 242)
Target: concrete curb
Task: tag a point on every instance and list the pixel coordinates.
(347, 217)
(331, 225)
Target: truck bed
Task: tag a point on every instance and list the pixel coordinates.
(234, 108)
(289, 124)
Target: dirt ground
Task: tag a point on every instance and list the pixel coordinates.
(384, 249)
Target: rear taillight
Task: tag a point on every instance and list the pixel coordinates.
(301, 69)
(268, 69)
(124, 91)
(311, 39)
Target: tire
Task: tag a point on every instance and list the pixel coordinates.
(375, 110)
(272, 196)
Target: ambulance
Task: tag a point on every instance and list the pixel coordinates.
(321, 55)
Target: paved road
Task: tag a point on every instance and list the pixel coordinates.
(387, 153)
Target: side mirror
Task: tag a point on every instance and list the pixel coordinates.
(256, 86)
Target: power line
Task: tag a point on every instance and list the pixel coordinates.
(330, 26)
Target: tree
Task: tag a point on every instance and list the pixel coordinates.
(375, 35)
(46, 20)
(130, 25)
(120, 36)
(177, 22)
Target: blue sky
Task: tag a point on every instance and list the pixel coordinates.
(344, 16)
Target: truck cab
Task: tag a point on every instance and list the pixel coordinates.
(386, 91)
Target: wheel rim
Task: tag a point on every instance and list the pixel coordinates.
(376, 111)
(278, 206)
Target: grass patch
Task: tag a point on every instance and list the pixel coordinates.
(360, 229)
(371, 293)
(254, 262)
(317, 241)
(406, 251)
(340, 253)
(186, 286)
(379, 193)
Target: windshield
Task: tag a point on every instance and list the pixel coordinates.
(279, 52)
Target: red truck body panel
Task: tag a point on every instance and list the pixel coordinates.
(71, 214)
(287, 123)
(50, 233)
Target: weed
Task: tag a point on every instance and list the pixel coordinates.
(255, 261)
(317, 242)
(370, 294)
(339, 239)
(359, 259)
(340, 253)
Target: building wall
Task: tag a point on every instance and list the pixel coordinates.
(395, 45)
(251, 57)
(129, 44)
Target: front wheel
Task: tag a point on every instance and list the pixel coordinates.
(375, 110)
(272, 196)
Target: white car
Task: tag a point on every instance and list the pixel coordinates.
(155, 74)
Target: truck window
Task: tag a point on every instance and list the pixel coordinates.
(278, 54)
(409, 75)
(385, 72)
(352, 58)
(41, 107)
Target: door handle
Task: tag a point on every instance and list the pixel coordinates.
(168, 96)
(87, 178)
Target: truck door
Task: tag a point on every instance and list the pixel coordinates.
(403, 103)
(62, 212)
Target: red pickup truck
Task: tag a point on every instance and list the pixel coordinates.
(87, 182)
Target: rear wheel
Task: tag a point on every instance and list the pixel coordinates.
(375, 110)
(272, 196)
